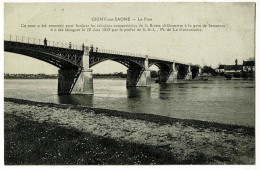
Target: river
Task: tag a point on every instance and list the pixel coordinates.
(223, 101)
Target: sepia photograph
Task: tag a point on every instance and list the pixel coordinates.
(129, 83)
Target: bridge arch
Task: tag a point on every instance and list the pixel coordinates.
(17, 63)
(125, 62)
(108, 67)
(165, 70)
(96, 58)
(195, 71)
(75, 63)
(160, 65)
(58, 57)
(182, 71)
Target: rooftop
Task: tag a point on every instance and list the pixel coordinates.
(233, 67)
(248, 63)
(221, 66)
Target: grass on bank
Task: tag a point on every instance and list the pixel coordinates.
(33, 143)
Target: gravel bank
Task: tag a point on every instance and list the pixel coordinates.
(185, 140)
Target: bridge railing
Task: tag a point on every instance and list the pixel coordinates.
(100, 50)
(115, 52)
(29, 40)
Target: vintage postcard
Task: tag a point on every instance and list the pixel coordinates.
(129, 83)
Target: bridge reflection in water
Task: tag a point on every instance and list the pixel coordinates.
(87, 100)
(75, 62)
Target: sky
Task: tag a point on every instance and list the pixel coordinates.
(212, 46)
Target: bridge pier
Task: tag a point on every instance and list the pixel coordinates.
(199, 76)
(173, 75)
(145, 79)
(66, 80)
(139, 77)
(84, 83)
(168, 75)
(189, 74)
(77, 81)
(163, 76)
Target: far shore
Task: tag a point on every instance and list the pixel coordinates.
(117, 137)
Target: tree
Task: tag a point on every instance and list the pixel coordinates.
(209, 69)
(251, 59)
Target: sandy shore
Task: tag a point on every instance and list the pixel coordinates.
(211, 143)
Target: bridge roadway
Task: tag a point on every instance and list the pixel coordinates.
(75, 62)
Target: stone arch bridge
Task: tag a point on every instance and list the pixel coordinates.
(75, 62)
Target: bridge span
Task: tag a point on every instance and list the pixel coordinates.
(75, 62)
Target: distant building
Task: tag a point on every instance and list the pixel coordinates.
(220, 69)
(233, 68)
(248, 66)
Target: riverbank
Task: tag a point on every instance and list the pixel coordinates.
(47, 133)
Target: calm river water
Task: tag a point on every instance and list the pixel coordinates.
(231, 102)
